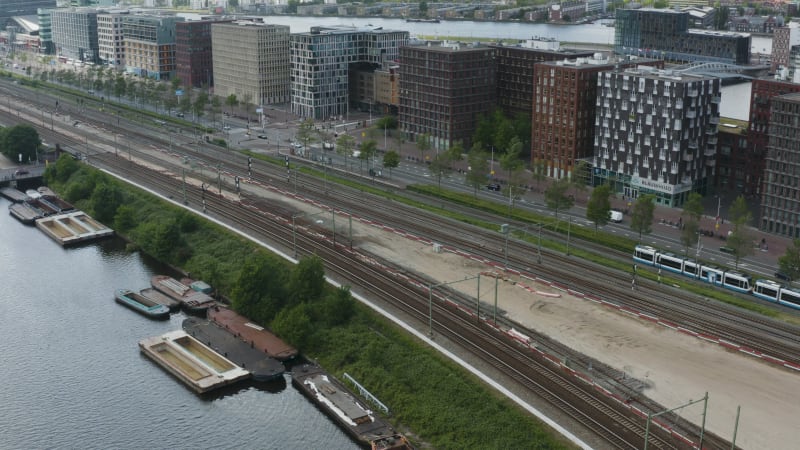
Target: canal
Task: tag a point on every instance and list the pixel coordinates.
(73, 377)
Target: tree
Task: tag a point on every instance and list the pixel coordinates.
(721, 18)
(345, 145)
(642, 215)
(789, 263)
(478, 168)
(692, 211)
(391, 160)
(21, 143)
(306, 134)
(199, 105)
(556, 197)
(294, 325)
(740, 241)
(259, 291)
(423, 144)
(539, 171)
(599, 208)
(367, 150)
(105, 200)
(307, 280)
(513, 166)
(231, 101)
(581, 173)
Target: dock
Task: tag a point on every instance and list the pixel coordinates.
(73, 228)
(255, 335)
(330, 395)
(260, 366)
(24, 213)
(198, 366)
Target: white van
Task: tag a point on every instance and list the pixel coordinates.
(616, 216)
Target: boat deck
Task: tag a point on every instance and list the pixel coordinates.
(198, 366)
(72, 228)
(257, 336)
(15, 195)
(340, 404)
(261, 366)
(160, 298)
(24, 213)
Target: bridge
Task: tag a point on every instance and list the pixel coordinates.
(20, 174)
(724, 71)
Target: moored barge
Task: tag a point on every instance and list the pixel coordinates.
(140, 304)
(193, 302)
(199, 367)
(260, 366)
(255, 335)
(333, 398)
(160, 298)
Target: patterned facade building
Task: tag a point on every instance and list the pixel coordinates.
(562, 126)
(193, 56)
(780, 204)
(665, 34)
(251, 61)
(321, 61)
(75, 33)
(150, 45)
(656, 133)
(109, 38)
(515, 71)
(783, 39)
(444, 89)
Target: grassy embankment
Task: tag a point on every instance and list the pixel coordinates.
(444, 406)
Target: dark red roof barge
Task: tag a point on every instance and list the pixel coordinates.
(259, 337)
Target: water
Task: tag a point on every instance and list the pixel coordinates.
(73, 377)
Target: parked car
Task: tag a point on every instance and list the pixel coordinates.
(493, 187)
(262, 136)
(180, 114)
(19, 172)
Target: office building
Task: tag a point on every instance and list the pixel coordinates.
(783, 39)
(665, 34)
(12, 8)
(150, 45)
(656, 133)
(45, 32)
(251, 61)
(193, 56)
(109, 38)
(322, 60)
(444, 89)
(563, 119)
(733, 174)
(74, 32)
(780, 204)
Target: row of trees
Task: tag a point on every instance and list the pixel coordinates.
(20, 143)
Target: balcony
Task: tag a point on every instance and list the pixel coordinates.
(693, 144)
(712, 140)
(674, 169)
(716, 99)
(711, 131)
(692, 93)
(688, 157)
(710, 152)
(711, 163)
(691, 114)
(714, 120)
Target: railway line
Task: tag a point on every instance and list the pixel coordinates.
(347, 201)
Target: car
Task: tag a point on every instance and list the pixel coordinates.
(180, 114)
(262, 136)
(493, 187)
(226, 127)
(21, 172)
(782, 276)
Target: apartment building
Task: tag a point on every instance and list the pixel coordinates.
(515, 71)
(251, 61)
(780, 204)
(445, 87)
(733, 174)
(783, 39)
(656, 133)
(563, 118)
(322, 58)
(74, 33)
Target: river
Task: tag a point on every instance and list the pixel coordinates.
(73, 377)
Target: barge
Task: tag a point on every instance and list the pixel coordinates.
(73, 228)
(15, 195)
(194, 302)
(160, 298)
(24, 213)
(333, 398)
(141, 304)
(189, 360)
(255, 335)
(260, 366)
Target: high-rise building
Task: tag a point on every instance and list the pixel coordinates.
(109, 38)
(322, 60)
(563, 119)
(251, 61)
(515, 71)
(11, 8)
(45, 31)
(763, 91)
(75, 33)
(444, 89)
(665, 34)
(783, 39)
(150, 45)
(193, 59)
(733, 160)
(780, 204)
(656, 133)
